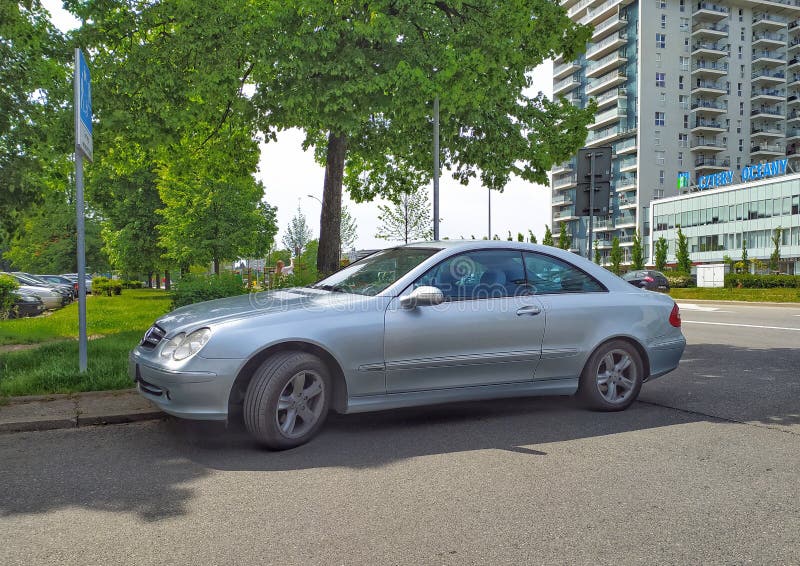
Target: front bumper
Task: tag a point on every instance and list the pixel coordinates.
(199, 391)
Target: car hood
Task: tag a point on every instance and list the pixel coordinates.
(253, 305)
(38, 291)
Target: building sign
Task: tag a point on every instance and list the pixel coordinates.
(748, 173)
(683, 180)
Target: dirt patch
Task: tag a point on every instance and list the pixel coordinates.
(20, 347)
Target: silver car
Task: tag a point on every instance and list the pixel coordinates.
(413, 325)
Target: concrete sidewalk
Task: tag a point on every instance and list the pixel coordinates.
(44, 412)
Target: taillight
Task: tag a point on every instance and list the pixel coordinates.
(648, 279)
(675, 316)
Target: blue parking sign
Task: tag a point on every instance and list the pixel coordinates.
(83, 105)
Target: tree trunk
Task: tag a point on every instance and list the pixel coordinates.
(184, 270)
(167, 285)
(330, 219)
(150, 280)
(158, 280)
(216, 266)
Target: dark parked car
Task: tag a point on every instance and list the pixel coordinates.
(27, 305)
(648, 279)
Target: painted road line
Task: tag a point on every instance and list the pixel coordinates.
(740, 325)
(694, 307)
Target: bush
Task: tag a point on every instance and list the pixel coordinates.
(8, 286)
(748, 281)
(198, 288)
(106, 286)
(679, 279)
(132, 284)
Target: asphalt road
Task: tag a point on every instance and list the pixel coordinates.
(704, 469)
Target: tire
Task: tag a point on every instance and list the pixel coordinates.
(280, 413)
(616, 392)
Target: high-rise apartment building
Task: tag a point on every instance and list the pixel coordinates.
(681, 87)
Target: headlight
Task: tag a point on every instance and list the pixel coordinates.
(183, 345)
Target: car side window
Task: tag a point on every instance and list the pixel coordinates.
(486, 274)
(548, 275)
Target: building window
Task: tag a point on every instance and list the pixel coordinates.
(661, 4)
(662, 99)
(742, 34)
(741, 71)
(738, 126)
(661, 40)
(661, 80)
(686, 121)
(738, 89)
(683, 140)
(740, 52)
(663, 21)
(741, 19)
(684, 63)
(741, 109)
(657, 137)
(683, 100)
(741, 144)
(660, 119)
(658, 59)
(683, 5)
(660, 158)
(680, 82)
(661, 177)
(684, 24)
(727, 87)
(680, 158)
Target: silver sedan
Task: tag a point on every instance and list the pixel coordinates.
(414, 325)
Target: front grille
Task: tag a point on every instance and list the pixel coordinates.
(152, 337)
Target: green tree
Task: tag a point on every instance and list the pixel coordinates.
(298, 234)
(775, 257)
(548, 236)
(531, 237)
(349, 230)
(510, 238)
(637, 252)
(520, 237)
(597, 259)
(266, 230)
(684, 262)
(407, 218)
(360, 79)
(745, 259)
(660, 253)
(564, 238)
(615, 256)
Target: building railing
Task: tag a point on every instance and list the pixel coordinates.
(606, 42)
(771, 111)
(708, 84)
(606, 79)
(609, 23)
(769, 36)
(564, 181)
(765, 130)
(767, 73)
(711, 26)
(767, 92)
(775, 148)
(711, 162)
(707, 143)
(605, 60)
(768, 54)
(710, 66)
(711, 7)
(708, 124)
(710, 46)
(759, 16)
(700, 104)
(565, 83)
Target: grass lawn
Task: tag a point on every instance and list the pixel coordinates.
(778, 295)
(53, 367)
(135, 309)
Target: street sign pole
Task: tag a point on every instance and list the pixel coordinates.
(436, 168)
(83, 146)
(591, 205)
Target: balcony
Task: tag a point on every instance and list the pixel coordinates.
(564, 182)
(624, 182)
(793, 116)
(613, 42)
(709, 49)
(768, 76)
(793, 135)
(711, 107)
(767, 150)
(579, 7)
(606, 64)
(625, 221)
(611, 80)
(610, 98)
(567, 167)
(794, 80)
(767, 58)
(562, 200)
(608, 117)
(702, 126)
(603, 225)
(767, 39)
(609, 26)
(565, 86)
(627, 164)
(793, 64)
(565, 69)
(710, 88)
(709, 11)
(707, 144)
(710, 68)
(765, 20)
(766, 113)
(626, 147)
(565, 214)
(604, 10)
(625, 204)
(761, 95)
(703, 163)
(710, 29)
(608, 135)
(766, 132)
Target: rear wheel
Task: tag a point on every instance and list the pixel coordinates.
(287, 400)
(613, 377)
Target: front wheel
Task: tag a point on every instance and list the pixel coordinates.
(613, 377)
(287, 400)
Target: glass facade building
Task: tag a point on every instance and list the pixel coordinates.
(718, 222)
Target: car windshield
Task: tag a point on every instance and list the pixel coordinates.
(376, 272)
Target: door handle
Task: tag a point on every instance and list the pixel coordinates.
(530, 310)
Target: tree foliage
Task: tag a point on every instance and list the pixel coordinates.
(407, 218)
(298, 234)
(547, 240)
(359, 79)
(564, 237)
(775, 257)
(597, 258)
(615, 256)
(660, 253)
(348, 230)
(637, 252)
(684, 262)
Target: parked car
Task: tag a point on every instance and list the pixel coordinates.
(51, 298)
(74, 278)
(648, 279)
(58, 280)
(420, 324)
(27, 305)
(27, 279)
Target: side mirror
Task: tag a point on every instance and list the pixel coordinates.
(421, 297)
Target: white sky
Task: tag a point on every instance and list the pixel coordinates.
(290, 174)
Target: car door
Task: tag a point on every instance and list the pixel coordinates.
(574, 303)
(488, 330)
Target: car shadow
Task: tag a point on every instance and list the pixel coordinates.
(151, 469)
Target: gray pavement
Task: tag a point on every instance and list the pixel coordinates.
(705, 469)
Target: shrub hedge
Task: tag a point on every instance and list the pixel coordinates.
(132, 284)
(8, 286)
(106, 286)
(198, 288)
(748, 281)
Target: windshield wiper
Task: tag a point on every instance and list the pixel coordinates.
(332, 288)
